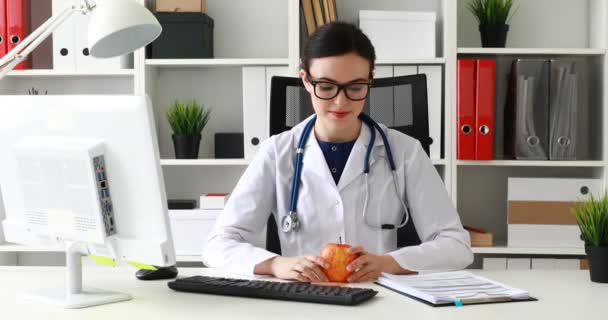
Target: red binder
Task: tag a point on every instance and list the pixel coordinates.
(2, 28)
(484, 114)
(18, 26)
(466, 109)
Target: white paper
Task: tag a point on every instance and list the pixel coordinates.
(447, 287)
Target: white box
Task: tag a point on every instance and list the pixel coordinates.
(518, 263)
(544, 236)
(538, 212)
(400, 34)
(190, 229)
(494, 263)
(567, 264)
(213, 201)
(543, 263)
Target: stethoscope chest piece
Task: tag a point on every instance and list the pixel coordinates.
(290, 222)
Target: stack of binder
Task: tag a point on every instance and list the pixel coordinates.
(475, 103)
(14, 27)
(70, 47)
(541, 110)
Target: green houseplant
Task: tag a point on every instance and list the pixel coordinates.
(592, 219)
(493, 17)
(187, 120)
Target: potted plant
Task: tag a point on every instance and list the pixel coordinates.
(493, 17)
(592, 219)
(187, 120)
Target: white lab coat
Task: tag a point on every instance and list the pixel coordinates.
(327, 211)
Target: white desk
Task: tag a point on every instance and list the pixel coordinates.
(562, 294)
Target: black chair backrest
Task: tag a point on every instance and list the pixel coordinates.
(400, 103)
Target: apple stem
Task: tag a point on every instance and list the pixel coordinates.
(340, 239)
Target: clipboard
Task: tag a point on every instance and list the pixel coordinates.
(462, 302)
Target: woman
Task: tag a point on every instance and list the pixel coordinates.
(333, 201)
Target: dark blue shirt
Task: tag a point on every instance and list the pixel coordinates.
(336, 155)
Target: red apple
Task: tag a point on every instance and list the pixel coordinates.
(338, 258)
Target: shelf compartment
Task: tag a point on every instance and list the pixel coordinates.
(412, 61)
(168, 63)
(526, 163)
(50, 73)
(533, 51)
(482, 192)
(17, 248)
(204, 162)
(504, 250)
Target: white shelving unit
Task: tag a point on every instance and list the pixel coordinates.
(526, 163)
(170, 63)
(534, 51)
(50, 73)
(265, 34)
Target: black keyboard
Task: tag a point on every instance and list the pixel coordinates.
(292, 291)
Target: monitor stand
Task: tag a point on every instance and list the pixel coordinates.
(74, 296)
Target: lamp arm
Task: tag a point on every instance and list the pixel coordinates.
(31, 42)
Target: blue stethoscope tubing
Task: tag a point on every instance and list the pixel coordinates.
(291, 222)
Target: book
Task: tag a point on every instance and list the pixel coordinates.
(309, 16)
(213, 200)
(452, 288)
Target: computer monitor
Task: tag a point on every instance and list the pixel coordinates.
(82, 173)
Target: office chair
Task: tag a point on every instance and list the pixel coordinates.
(398, 102)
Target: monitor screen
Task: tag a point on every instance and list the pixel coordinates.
(84, 169)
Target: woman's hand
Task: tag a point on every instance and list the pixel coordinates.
(303, 268)
(368, 267)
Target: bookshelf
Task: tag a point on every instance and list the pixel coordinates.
(265, 34)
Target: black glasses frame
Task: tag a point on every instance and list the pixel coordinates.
(340, 88)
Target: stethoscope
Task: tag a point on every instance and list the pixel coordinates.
(291, 222)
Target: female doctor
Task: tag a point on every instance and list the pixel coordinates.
(334, 198)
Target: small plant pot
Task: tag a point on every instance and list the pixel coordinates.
(186, 146)
(598, 263)
(493, 35)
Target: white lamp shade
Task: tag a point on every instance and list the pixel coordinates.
(118, 27)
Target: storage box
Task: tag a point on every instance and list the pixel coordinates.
(556, 264)
(494, 263)
(213, 201)
(184, 36)
(539, 211)
(400, 34)
(480, 238)
(190, 229)
(518, 263)
(229, 145)
(181, 6)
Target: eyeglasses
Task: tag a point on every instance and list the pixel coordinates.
(327, 90)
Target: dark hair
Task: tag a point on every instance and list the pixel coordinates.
(338, 38)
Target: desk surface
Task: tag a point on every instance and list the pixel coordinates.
(562, 294)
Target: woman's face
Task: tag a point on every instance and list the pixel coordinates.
(339, 112)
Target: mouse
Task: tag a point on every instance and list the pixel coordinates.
(158, 274)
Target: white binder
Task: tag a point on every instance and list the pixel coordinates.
(405, 70)
(383, 72)
(255, 128)
(64, 41)
(256, 105)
